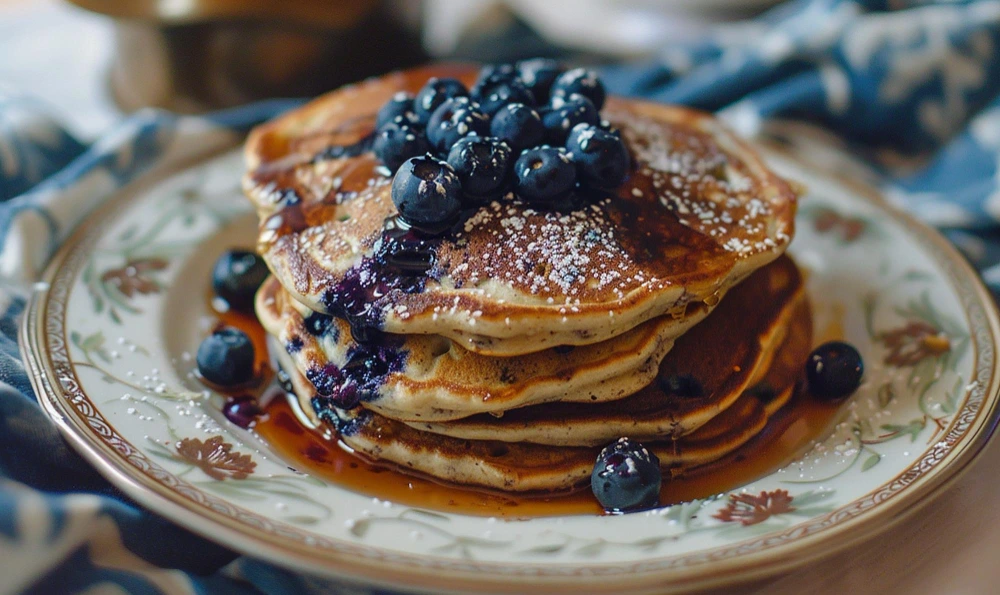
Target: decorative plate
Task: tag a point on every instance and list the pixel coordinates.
(110, 332)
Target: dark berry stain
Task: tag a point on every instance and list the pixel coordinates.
(289, 424)
(315, 452)
(401, 258)
(294, 345)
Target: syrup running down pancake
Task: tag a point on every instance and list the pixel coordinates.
(527, 467)
(428, 377)
(698, 213)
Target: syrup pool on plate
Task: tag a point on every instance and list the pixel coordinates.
(318, 453)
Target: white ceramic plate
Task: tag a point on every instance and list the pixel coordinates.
(109, 335)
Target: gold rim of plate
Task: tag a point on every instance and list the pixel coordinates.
(45, 342)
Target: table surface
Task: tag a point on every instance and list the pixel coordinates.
(948, 546)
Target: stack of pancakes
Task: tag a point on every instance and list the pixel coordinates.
(666, 312)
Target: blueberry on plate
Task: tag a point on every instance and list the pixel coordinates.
(538, 74)
(433, 94)
(602, 161)
(582, 81)
(398, 109)
(236, 277)
(482, 164)
(565, 114)
(519, 126)
(226, 357)
(427, 193)
(544, 175)
(626, 477)
(396, 142)
(494, 97)
(834, 370)
(454, 119)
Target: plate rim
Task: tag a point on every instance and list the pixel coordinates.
(365, 564)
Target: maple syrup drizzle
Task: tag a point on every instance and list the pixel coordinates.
(315, 452)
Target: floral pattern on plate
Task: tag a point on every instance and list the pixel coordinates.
(126, 304)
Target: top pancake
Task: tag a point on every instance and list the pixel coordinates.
(699, 212)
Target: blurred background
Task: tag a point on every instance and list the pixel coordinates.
(93, 60)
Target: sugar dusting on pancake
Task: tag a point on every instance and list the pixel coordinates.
(699, 212)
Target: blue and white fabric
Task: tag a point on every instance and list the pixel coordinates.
(912, 87)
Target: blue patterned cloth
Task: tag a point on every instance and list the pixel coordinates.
(913, 87)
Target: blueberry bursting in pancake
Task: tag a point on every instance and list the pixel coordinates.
(696, 212)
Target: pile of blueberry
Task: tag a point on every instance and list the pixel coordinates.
(532, 128)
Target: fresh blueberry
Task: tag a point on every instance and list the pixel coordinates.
(495, 96)
(226, 357)
(433, 94)
(427, 193)
(609, 127)
(544, 175)
(396, 142)
(538, 74)
(519, 126)
(626, 477)
(834, 370)
(482, 164)
(236, 277)
(454, 119)
(490, 75)
(565, 114)
(582, 81)
(398, 109)
(602, 161)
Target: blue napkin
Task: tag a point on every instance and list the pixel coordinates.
(913, 87)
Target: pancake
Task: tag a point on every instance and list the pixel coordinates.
(725, 354)
(699, 212)
(427, 377)
(526, 467)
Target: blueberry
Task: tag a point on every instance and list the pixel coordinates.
(582, 81)
(834, 370)
(226, 357)
(398, 109)
(565, 114)
(544, 175)
(538, 74)
(236, 277)
(317, 323)
(490, 75)
(454, 119)
(433, 94)
(242, 410)
(427, 193)
(396, 142)
(602, 161)
(495, 96)
(519, 126)
(609, 127)
(482, 165)
(626, 477)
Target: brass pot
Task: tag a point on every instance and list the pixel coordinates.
(197, 55)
